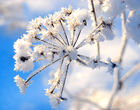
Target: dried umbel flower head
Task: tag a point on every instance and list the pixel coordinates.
(56, 39)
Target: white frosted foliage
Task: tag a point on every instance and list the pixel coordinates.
(21, 84)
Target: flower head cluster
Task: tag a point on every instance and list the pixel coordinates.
(21, 83)
(57, 38)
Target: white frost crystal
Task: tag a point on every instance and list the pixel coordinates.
(21, 84)
(23, 63)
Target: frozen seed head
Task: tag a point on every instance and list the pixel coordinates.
(21, 84)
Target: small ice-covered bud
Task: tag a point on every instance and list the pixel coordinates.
(73, 23)
(29, 38)
(90, 40)
(77, 19)
(23, 62)
(72, 52)
(21, 45)
(51, 33)
(57, 17)
(66, 11)
(35, 24)
(98, 7)
(133, 27)
(21, 83)
(39, 51)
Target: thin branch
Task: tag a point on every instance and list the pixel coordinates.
(62, 39)
(98, 49)
(124, 38)
(51, 90)
(73, 33)
(116, 87)
(93, 11)
(117, 84)
(84, 41)
(58, 40)
(79, 60)
(46, 42)
(131, 72)
(65, 77)
(96, 23)
(64, 32)
(41, 69)
(77, 38)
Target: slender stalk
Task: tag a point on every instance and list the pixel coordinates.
(77, 38)
(58, 40)
(115, 88)
(73, 33)
(83, 56)
(46, 42)
(41, 69)
(81, 61)
(64, 32)
(65, 77)
(93, 11)
(96, 23)
(116, 85)
(124, 38)
(58, 78)
(82, 43)
(62, 39)
(132, 71)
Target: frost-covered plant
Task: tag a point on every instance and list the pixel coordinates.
(57, 38)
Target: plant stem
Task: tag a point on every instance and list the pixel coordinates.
(64, 32)
(77, 38)
(41, 69)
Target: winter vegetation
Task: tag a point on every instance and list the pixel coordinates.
(94, 58)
